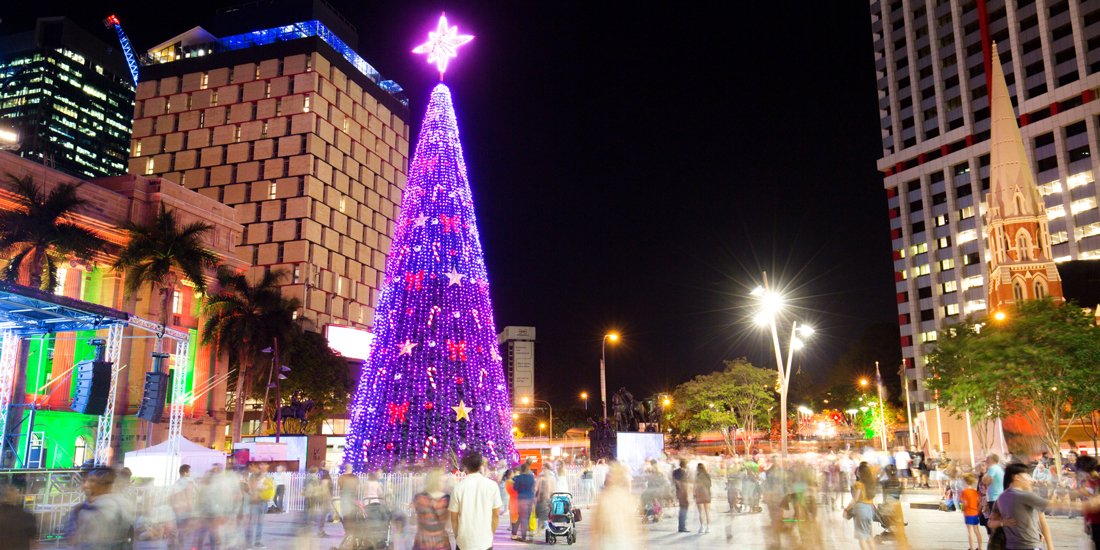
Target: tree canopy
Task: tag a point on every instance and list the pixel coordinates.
(1038, 363)
(41, 233)
(740, 397)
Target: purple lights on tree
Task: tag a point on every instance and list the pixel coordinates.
(433, 386)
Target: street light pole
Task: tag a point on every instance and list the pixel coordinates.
(603, 369)
(772, 304)
(548, 406)
(783, 377)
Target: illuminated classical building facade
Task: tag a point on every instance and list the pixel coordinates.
(63, 438)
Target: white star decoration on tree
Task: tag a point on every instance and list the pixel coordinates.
(454, 277)
(442, 44)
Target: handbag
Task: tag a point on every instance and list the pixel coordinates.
(997, 539)
(848, 513)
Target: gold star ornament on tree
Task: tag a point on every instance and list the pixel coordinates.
(462, 412)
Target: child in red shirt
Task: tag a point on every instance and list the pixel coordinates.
(968, 503)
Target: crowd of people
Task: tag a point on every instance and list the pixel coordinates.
(800, 500)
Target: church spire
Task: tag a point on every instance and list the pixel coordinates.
(1017, 233)
(1012, 186)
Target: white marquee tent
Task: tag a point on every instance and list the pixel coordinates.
(155, 462)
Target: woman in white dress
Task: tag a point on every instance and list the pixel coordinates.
(616, 524)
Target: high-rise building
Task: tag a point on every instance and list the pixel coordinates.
(517, 349)
(69, 96)
(270, 110)
(933, 62)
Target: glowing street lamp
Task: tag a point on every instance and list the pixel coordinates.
(999, 316)
(613, 337)
(771, 305)
(584, 395)
(528, 400)
(542, 426)
(863, 382)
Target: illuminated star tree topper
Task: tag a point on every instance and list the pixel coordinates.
(442, 44)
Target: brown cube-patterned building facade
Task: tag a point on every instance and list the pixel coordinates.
(310, 152)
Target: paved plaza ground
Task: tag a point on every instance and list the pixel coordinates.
(928, 529)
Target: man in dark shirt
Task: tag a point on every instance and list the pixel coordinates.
(524, 485)
(681, 481)
(17, 524)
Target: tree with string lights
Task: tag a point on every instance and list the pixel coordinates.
(433, 387)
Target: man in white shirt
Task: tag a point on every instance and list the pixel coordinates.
(902, 459)
(475, 507)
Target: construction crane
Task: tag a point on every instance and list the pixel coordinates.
(112, 22)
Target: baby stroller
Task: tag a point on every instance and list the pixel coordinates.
(367, 528)
(563, 518)
(652, 510)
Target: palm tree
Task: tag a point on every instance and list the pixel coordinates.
(243, 318)
(158, 247)
(41, 232)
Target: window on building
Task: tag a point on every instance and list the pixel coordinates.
(927, 315)
(924, 292)
(951, 309)
(1018, 291)
(941, 220)
(80, 451)
(177, 302)
(947, 264)
(62, 274)
(950, 286)
(944, 242)
(918, 227)
(967, 212)
(149, 166)
(1040, 289)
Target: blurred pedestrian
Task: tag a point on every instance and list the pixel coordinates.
(615, 524)
(263, 491)
(524, 485)
(702, 497)
(544, 487)
(681, 482)
(318, 500)
(182, 499)
(994, 482)
(891, 511)
(18, 526)
(105, 520)
(903, 461)
(430, 507)
(561, 481)
(506, 493)
(475, 507)
(347, 485)
(280, 478)
(862, 507)
(372, 488)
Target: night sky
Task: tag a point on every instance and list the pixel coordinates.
(637, 169)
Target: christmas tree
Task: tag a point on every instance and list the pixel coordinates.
(433, 386)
